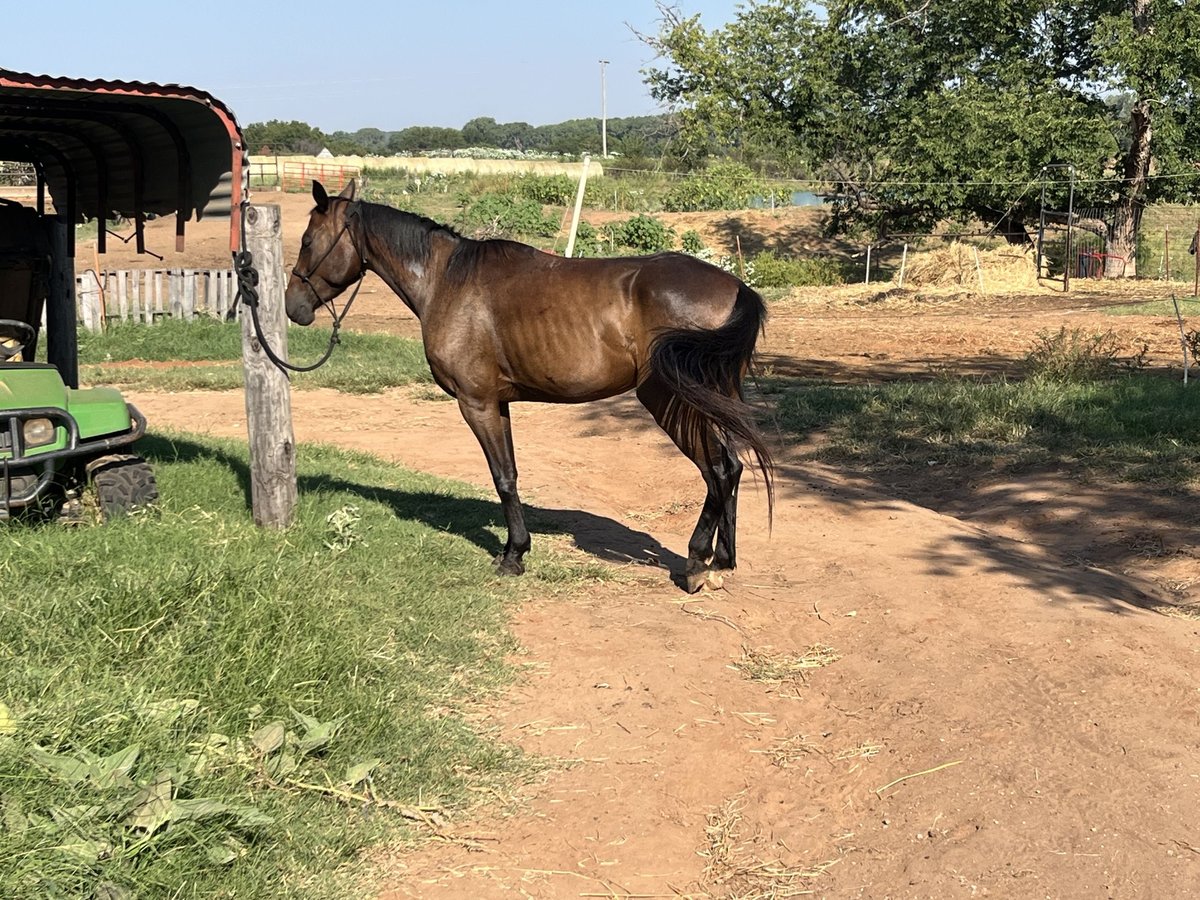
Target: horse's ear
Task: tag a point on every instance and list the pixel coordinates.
(319, 195)
(348, 191)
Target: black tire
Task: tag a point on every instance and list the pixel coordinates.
(123, 483)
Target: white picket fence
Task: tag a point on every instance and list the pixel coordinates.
(149, 295)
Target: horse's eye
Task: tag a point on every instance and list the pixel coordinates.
(306, 241)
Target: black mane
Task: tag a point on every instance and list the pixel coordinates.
(409, 235)
(406, 233)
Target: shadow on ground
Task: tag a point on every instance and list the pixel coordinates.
(1061, 528)
(474, 519)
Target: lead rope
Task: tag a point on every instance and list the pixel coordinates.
(247, 278)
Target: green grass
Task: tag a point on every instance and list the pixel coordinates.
(195, 707)
(1189, 308)
(361, 363)
(1132, 427)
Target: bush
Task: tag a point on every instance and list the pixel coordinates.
(774, 271)
(588, 241)
(691, 242)
(1075, 356)
(505, 215)
(721, 186)
(548, 190)
(643, 234)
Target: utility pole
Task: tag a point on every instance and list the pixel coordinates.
(603, 113)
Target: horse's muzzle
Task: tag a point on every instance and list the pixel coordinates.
(299, 305)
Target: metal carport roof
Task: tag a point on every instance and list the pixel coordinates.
(105, 148)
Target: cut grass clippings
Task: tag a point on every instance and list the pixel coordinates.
(775, 666)
(734, 867)
(193, 706)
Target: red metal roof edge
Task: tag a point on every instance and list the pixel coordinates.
(11, 78)
(14, 79)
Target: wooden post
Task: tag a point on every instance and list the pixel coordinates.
(123, 295)
(867, 280)
(268, 393)
(174, 293)
(903, 263)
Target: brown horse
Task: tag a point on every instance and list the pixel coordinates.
(503, 322)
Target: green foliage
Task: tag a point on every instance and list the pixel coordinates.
(589, 241)
(725, 185)
(548, 190)
(209, 704)
(771, 271)
(947, 108)
(505, 215)
(284, 137)
(425, 137)
(642, 234)
(691, 242)
(634, 139)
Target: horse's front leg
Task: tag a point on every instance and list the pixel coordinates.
(489, 420)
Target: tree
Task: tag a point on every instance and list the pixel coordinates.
(918, 111)
(425, 137)
(284, 137)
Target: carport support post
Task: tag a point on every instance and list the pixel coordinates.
(62, 344)
(268, 392)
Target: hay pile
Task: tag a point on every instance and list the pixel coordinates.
(953, 265)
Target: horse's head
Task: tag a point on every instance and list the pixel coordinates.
(329, 261)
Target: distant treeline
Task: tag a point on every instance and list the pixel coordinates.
(633, 138)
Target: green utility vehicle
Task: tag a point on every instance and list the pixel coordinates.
(56, 442)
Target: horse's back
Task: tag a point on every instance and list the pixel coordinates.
(572, 330)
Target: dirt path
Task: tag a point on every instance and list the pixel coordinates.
(965, 696)
(1047, 725)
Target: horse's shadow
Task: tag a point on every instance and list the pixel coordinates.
(477, 520)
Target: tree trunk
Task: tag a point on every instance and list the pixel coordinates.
(1122, 231)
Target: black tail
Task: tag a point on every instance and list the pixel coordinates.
(705, 368)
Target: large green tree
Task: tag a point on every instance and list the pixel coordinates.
(916, 110)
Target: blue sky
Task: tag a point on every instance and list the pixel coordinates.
(386, 65)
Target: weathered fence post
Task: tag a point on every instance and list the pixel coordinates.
(268, 393)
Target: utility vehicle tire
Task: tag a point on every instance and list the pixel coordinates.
(123, 483)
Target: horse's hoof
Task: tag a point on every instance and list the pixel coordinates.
(509, 566)
(712, 579)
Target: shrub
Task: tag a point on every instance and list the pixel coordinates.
(505, 215)
(548, 190)
(643, 234)
(1073, 356)
(721, 186)
(691, 242)
(588, 241)
(775, 271)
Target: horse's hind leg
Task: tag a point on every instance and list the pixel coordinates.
(728, 472)
(492, 427)
(720, 470)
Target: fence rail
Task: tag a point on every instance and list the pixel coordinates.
(298, 176)
(150, 295)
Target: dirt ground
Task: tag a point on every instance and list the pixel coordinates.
(912, 688)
